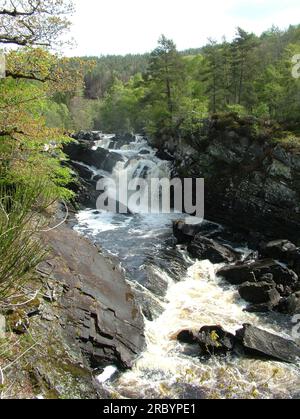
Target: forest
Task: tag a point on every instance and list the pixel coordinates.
(173, 91)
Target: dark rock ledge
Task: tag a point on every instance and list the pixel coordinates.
(250, 341)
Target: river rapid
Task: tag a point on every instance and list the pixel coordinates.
(176, 293)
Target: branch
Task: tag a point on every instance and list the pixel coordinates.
(29, 77)
(4, 39)
(22, 102)
(16, 13)
(10, 132)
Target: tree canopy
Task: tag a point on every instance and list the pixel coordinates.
(34, 22)
(249, 75)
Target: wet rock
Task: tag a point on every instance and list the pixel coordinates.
(278, 249)
(186, 232)
(83, 172)
(100, 158)
(258, 342)
(260, 308)
(204, 248)
(87, 135)
(293, 303)
(254, 272)
(144, 152)
(120, 140)
(185, 391)
(99, 315)
(290, 305)
(86, 193)
(283, 250)
(215, 340)
(164, 155)
(187, 336)
(259, 293)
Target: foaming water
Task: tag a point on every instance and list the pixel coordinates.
(184, 295)
(168, 369)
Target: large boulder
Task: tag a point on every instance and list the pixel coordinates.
(120, 140)
(283, 250)
(260, 293)
(186, 232)
(164, 155)
(290, 305)
(259, 343)
(255, 271)
(204, 248)
(187, 336)
(215, 340)
(98, 309)
(99, 158)
(278, 249)
(89, 136)
(83, 171)
(250, 340)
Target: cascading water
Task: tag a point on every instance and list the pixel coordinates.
(181, 294)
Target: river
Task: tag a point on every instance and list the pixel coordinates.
(179, 293)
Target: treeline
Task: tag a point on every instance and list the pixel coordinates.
(107, 69)
(169, 91)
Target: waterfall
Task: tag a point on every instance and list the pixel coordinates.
(178, 293)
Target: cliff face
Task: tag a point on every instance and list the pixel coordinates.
(251, 179)
(99, 313)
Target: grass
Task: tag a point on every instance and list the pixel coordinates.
(20, 249)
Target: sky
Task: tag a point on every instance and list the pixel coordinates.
(103, 27)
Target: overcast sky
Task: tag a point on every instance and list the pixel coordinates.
(134, 26)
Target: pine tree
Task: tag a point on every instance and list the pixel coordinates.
(166, 74)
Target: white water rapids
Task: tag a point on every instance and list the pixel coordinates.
(168, 369)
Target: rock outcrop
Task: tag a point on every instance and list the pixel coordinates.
(250, 340)
(260, 293)
(266, 284)
(258, 342)
(100, 158)
(284, 251)
(204, 248)
(99, 313)
(252, 180)
(255, 272)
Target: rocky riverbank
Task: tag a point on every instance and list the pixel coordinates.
(83, 318)
(268, 279)
(251, 171)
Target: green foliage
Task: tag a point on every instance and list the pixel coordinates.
(108, 69)
(237, 109)
(20, 249)
(120, 110)
(57, 115)
(249, 76)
